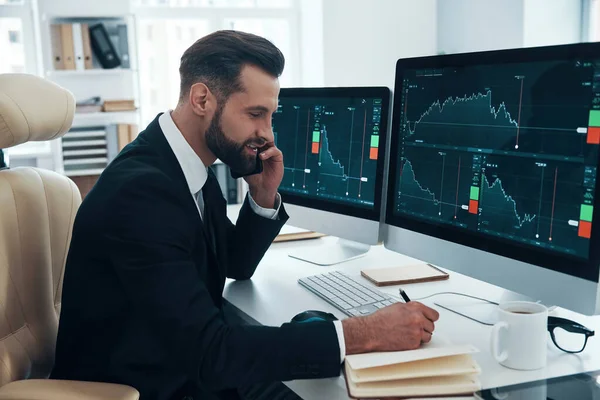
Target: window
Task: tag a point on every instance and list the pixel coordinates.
(275, 30)
(159, 55)
(10, 33)
(215, 3)
(594, 21)
(17, 50)
(169, 27)
(14, 37)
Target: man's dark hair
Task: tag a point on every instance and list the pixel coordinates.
(217, 60)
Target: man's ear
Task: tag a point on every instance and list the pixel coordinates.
(202, 100)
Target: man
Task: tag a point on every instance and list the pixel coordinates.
(152, 247)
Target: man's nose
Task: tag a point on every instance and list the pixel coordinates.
(267, 134)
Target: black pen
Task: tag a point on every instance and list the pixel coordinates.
(404, 295)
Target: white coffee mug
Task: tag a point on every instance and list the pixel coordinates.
(523, 346)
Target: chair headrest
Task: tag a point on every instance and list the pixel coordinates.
(33, 109)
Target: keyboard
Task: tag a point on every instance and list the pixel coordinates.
(346, 294)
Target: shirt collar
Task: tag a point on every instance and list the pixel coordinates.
(193, 168)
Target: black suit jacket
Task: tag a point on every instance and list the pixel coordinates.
(142, 293)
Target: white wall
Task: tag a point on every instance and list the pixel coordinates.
(474, 25)
(362, 40)
(75, 8)
(559, 24)
(311, 43)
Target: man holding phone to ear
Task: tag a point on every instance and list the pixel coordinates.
(152, 246)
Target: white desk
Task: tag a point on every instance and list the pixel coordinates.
(273, 296)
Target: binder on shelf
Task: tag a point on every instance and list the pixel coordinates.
(123, 45)
(122, 135)
(56, 47)
(112, 142)
(103, 47)
(66, 38)
(87, 46)
(133, 132)
(78, 47)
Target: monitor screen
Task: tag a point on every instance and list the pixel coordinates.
(501, 147)
(333, 142)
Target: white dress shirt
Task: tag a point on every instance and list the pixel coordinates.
(196, 173)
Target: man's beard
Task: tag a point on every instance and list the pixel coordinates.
(231, 153)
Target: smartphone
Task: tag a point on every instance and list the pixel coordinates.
(257, 169)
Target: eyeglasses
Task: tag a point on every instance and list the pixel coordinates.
(567, 335)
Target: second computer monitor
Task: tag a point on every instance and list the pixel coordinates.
(493, 172)
(333, 142)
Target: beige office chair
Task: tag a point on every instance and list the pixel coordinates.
(37, 208)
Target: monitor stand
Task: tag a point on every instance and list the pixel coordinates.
(343, 250)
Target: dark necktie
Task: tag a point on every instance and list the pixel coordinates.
(211, 193)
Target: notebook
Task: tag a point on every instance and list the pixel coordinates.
(289, 233)
(436, 369)
(414, 273)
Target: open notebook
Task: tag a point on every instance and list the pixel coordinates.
(436, 369)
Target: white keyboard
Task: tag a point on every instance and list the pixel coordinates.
(346, 294)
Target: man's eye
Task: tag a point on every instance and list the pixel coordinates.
(255, 115)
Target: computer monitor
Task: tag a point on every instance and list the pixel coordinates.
(493, 166)
(333, 142)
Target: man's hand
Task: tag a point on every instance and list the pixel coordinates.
(394, 328)
(263, 187)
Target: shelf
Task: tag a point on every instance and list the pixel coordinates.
(83, 143)
(84, 172)
(77, 153)
(89, 72)
(74, 134)
(105, 118)
(83, 161)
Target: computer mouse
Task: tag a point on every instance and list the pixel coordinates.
(314, 315)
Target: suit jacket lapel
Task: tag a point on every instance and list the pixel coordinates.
(155, 138)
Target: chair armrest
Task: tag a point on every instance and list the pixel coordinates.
(49, 389)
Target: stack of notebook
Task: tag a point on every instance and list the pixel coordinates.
(436, 369)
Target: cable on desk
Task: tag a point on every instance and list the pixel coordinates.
(458, 294)
(454, 311)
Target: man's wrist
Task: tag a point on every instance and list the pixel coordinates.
(358, 336)
(264, 200)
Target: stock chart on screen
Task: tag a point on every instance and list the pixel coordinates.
(506, 150)
(330, 147)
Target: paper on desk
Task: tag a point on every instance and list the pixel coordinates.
(438, 347)
(289, 230)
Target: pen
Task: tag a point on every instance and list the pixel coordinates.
(404, 295)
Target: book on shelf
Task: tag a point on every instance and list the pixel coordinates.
(118, 105)
(437, 369)
(91, 105)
